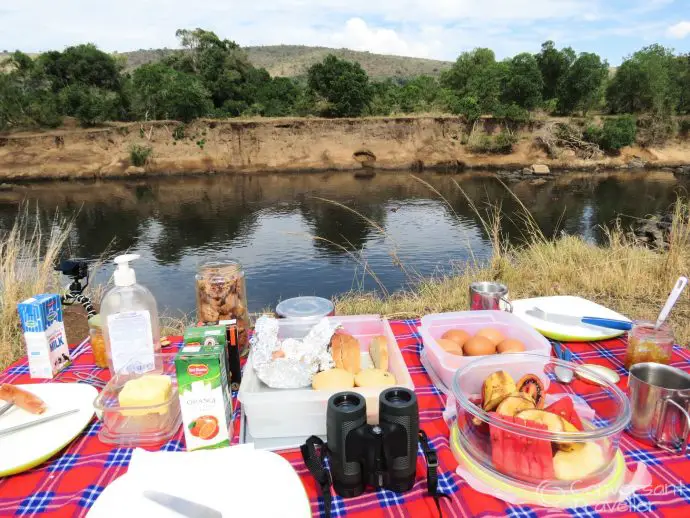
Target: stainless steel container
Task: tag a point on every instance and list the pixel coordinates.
(489, 295)
(660, 399)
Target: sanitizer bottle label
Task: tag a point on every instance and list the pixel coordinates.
(131, 340)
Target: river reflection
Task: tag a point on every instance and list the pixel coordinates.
(292, 242)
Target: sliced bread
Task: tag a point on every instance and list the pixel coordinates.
(345, 352)
(378, 350)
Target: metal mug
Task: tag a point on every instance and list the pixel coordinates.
(489, 295)
(660, 397)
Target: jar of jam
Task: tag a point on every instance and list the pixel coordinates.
(221, 294)
(647, 344)
(97, 342)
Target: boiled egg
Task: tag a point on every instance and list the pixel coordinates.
(511, 345)
(492, 334)
(479, 346)
(456, 335)
(449, 346)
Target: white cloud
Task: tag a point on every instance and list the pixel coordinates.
(679, 30)
(427, 28)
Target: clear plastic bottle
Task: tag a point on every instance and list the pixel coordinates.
(129, 317)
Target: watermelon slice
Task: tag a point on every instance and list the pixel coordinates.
(519, 456)
(565, 408)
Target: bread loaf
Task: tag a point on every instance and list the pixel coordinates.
(378, 350)
(333, 379)
(345, 352)
(374, 378)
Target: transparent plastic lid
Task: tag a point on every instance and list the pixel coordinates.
(305, 307)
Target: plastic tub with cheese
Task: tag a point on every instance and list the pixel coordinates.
(140, 406)
(567, 436)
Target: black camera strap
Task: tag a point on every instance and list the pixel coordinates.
(315, 464)
(431, 470)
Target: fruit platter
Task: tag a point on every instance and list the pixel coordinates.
(521, 423)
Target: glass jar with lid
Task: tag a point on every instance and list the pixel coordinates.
(648, 344)
(97, 340)
(221, 294)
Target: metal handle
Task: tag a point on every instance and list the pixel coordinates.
(662, 421)
(510, 306)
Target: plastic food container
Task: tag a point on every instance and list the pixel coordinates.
(306, 311)
(221, 294)
(531, 451)
(647, 344)
(445, 364)
(139, 425)
(300, 413)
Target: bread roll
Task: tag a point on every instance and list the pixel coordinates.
(374, 378)
(333, 379)
(378, 350)
(345, 352)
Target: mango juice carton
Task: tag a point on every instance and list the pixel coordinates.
(44, 335)
(204, 392)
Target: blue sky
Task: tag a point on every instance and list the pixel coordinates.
(426, 28)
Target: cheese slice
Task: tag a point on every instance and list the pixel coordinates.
(151, 390)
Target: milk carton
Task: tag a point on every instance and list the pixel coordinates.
(44, 335)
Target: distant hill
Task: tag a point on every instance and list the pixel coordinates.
(294, 60)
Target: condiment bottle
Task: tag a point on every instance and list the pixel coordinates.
(130, 320)
(100, 356)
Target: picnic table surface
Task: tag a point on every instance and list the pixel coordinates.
(69, 483)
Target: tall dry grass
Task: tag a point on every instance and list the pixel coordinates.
(28, 253)
(619, 274)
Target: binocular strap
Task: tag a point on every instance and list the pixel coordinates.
(315, 464)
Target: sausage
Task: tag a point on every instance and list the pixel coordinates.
(22, 398)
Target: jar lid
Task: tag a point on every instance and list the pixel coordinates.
(95, 321)
(305, 307)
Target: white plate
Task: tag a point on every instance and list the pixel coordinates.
(567, 305)
(242, 482)
(24, 450)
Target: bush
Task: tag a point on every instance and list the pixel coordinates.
(178, 132)
(684, 127)
(139, 155)
(593, 134)
(501, 143)
(654, 130)
(468, 107)
(618, 132)
(512, 113)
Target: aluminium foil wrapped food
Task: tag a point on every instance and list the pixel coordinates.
(290, 363)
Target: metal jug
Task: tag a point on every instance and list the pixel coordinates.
(660, 398)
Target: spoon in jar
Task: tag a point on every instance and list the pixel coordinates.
(670, 302)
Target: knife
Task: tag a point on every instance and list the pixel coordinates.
(182, 506)
(570, 320)
(20, 427)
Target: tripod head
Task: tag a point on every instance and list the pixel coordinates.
(77, 270)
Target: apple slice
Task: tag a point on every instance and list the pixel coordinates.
(578, 464)
(496, 388)
(569, 446)
(516, 402)
(553, 422)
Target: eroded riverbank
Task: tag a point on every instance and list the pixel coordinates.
(272, 145)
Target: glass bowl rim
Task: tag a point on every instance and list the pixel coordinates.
(620, 423)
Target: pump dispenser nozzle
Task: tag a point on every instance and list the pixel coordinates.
(124, 275)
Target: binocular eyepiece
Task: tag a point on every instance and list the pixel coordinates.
(380, 456)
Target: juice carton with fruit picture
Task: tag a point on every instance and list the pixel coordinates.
(203, 387)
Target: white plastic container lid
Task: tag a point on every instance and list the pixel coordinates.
(305, 307)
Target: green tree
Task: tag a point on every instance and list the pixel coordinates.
(683, 82)
(81, 64)
(343, 85)
(89, 104)
(583, 86)
(476, 74)
(553, 65)
(522, 82)
(646, 82)
(161, 92)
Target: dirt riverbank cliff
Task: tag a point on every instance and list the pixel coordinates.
(248, 146)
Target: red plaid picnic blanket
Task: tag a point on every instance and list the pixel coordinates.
(68, 484)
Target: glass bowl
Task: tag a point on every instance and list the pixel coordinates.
(144, 425)
(573, 447)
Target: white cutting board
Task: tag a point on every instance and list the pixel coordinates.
(28, 448)
(568, 305)
(237, 481)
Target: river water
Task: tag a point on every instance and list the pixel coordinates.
(298, 234)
